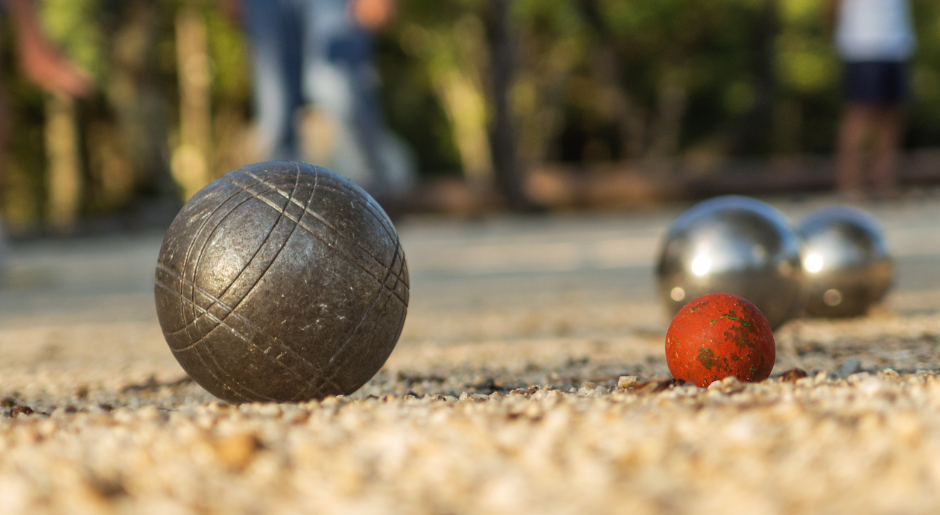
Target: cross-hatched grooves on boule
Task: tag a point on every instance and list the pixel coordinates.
(231, 381)
(271, 191)
(248, 265)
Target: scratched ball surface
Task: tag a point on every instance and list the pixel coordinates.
(845, 261)
(720, 335)
(281, 282)
(736, 245)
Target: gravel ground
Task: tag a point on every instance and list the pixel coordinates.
(511, 391)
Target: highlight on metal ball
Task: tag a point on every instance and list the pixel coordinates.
(846, 262)
(736, 245)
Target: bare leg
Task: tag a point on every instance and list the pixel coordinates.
(890, 122)
(855, 126)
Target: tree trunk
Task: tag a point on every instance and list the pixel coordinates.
(628, 116)
(506, 168)
(138, 99)
(191, 158)
(65, 182)
(755, 131)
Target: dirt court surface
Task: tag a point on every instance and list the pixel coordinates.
(530, 378)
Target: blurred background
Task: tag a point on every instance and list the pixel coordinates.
(609, 103)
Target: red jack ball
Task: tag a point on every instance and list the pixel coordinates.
(720, 335)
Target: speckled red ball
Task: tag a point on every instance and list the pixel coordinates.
(720, 335)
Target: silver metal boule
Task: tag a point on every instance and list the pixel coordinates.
(846, 262)
(736, 245)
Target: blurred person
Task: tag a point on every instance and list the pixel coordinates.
(320, 52)
(41, 63)
(39, 59)
(875, 40)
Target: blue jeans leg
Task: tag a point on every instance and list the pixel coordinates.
(276, 34)
(340, 80)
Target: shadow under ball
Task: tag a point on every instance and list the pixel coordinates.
(281, 282)
(736, 245)
(845, 261)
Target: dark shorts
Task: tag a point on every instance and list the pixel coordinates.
(881, 83)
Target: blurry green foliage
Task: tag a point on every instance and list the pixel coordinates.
(229, 60)
(702, 59)
(594, 80)
(72, 23)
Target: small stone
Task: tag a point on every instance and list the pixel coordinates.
(533, 411)
(731, 384)
(850, 367)
(858, 377)
(81, 392)
(47, 428)
(270, 410)
(792, 375)
(627, 382)
(237, 451)
(123, 415)
(889, 373)
(21, 410)
(657, 386)
(150, 414)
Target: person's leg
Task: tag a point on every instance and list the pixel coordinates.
(274, 30)
(329, 87)
(853, 131)
(367, 123)
(889, 128)
(341, 81)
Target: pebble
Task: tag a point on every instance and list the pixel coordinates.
(494, 427)
(850, 367)
(627, 382)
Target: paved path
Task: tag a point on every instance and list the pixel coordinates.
(492, 262)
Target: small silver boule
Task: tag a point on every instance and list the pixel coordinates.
(846, 262)
(737, 245)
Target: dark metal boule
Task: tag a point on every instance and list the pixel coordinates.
(846, 262)
(736, 245)
(281, 281)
